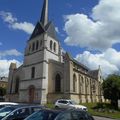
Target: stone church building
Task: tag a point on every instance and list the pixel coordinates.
(47, 74)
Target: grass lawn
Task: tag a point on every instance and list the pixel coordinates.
(106, 111)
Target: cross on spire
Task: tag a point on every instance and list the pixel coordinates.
(44, 14)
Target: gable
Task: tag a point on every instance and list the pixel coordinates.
(38, 30)
(50, 29)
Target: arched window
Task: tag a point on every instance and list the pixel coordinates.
(33, 46)
(74, 83)
(17, 81)
(93, 86)
(57, 83)
(54, 47)
(37, 45)
(82, 85)
(51, 43)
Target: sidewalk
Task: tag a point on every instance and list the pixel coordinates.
(103, 118)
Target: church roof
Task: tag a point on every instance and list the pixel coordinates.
(44, 14)
(94, 73)
(4, 79)
(44, 25)
(80, 64)
(76, 62)
(50, 29)
(39, 29)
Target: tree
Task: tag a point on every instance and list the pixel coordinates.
(2, 91)
(111, 89)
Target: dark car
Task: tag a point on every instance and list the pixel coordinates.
(70, 114)
(6, 110)
(18, 112)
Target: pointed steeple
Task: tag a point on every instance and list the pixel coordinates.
(44, 25)
(44, 14)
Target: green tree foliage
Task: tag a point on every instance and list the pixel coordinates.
(111, 89)
(2, 91)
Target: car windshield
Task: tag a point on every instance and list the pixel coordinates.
(1, 106)
(5, 111)
(42, 115)
(72, 102)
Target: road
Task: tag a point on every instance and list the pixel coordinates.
(102, 118)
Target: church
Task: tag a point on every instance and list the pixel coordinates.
(47, 74)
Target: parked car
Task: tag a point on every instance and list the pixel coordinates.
(65, 103)
(3, 104)
(70, 114)
(6, 110)
(18, 112)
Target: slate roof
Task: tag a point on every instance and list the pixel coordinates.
(44, 25)
(4, 79)
(50, 29)
(94, 73)
(78, 63)
(40, 29)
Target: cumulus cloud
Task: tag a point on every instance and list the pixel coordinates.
(4, 63)
(57, 30)
(4, 66)
(99, 31)
(14, 24)
(108, 60)
(12, 52)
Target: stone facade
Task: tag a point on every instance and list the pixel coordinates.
(47, 75)
(3, 87)
(3, 82)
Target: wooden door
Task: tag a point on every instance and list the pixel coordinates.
(31, 94)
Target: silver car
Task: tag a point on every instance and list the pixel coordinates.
(65, 103)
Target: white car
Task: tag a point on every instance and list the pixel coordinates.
(65, 103)
(3, 104)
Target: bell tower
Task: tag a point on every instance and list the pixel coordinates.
(42, 46)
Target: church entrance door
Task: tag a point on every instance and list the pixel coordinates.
(31, 94)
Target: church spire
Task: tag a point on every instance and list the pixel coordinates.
(44, 14)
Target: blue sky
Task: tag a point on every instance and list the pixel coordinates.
(87, 29)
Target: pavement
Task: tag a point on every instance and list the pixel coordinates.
(103, 118)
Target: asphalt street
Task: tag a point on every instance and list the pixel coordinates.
(102, 118)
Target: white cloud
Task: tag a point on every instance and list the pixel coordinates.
(108, 60)
(4, 66)
(27, 27)
(14, 24)
(100, 31)
(12, 52)
(57, 30)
